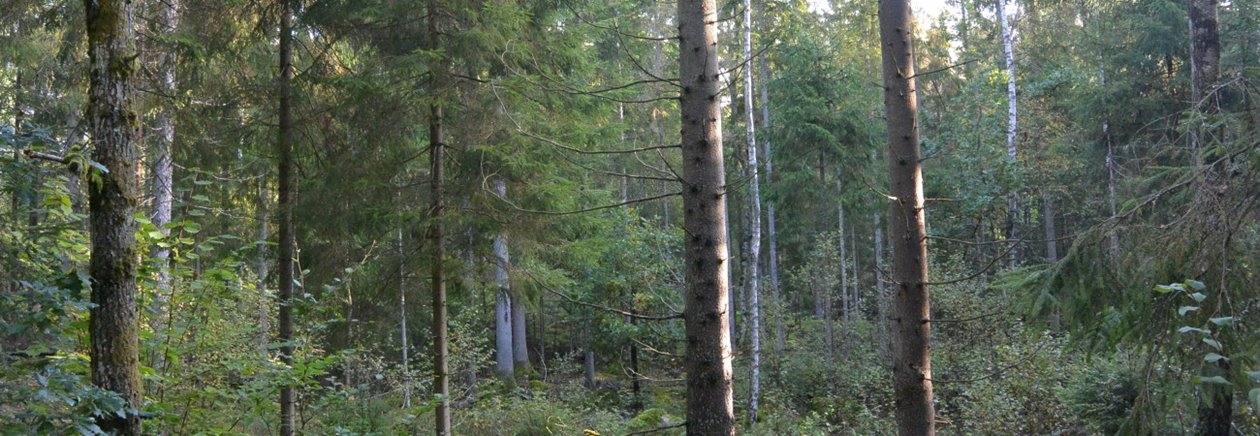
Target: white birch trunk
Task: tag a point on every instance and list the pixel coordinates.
(402, 317)
(1008, 49)
(754, 222)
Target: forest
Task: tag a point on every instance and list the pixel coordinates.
(630, 217)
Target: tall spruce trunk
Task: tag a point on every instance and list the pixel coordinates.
(113, 323)
(911, 321)
(505, 363)
(162, 181)
(287, 186)
(437, 236)
(710, 404)
(754, 225)
(1216, 402)
(1052, 235)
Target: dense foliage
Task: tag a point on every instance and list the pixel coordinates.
(1102, 283)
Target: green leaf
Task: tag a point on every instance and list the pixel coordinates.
(1188, 329)
(1213, 358)
(191, 227)
(1213, 343)
(1197, 285)
(1186, 309)
(1164, 289)
(1216, 380)
(201, 198)
(1255, 375)
(154, 234)
(1223, 321)
(1198, 297)
(1255, 398)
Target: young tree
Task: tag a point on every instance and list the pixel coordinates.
(911, 318)
(288, 190)
(710, 404)
(113, 193)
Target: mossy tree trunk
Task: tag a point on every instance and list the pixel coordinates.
(113, 325)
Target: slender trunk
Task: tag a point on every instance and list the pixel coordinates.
(520, 354)
(263, 263)
(842, 238)
(402, 319)
(1205, 52)
(710, 404)
(112, 322)
(1012, 124)
(1114, 238)
(1008, 51)
(1048, 214)
(503, 301)
(589, 355)
(912, 367)
(163, 166)
(730, 278)
(754, 224)
(288, 241)
(771, 227)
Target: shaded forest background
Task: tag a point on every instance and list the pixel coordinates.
(1092, 268)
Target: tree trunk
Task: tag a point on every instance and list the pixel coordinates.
(1008, 52)
(504, 356)
(1012, 125)
(710, 404)
(771, 227)
(113, 322)
(754, 225)
(1216, 401)
(402, 318)
(1205, 52)
(912, 367)
(162, 182)
(520, 354)
(288, 241)
(263, 263)
(1052, 235)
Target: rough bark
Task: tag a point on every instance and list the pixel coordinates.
(1216, 403)
(287, 187)
(710, 404)
(505, 364)
(113, 323)
(911, 322)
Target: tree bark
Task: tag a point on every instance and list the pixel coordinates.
(520, 354)
(113, 323)
(263, 263)
(1215, 410)
(1052, 234)
(503, 300)
(402, 317)
(163, 168)
(912, 367)
(754, 225)
(1012, 124)
(780, 334)
(710, 404)
(287, 186)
